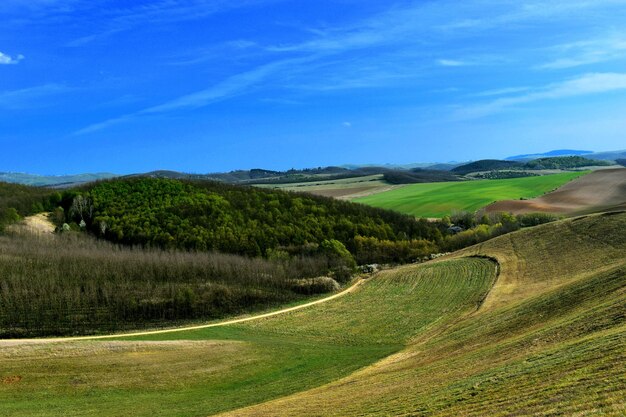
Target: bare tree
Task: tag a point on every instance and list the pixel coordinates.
(83, 207)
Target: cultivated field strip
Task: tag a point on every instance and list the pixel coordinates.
(443, 198)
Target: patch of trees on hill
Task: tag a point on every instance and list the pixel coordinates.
(232, 219)
(486, 165)
(503, 175)
(419, 175)
(564, 162)
(559, 162)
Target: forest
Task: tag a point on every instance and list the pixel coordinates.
(149, 252)
(204, 215)
(72, 283)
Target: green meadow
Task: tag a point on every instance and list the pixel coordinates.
(442, 198)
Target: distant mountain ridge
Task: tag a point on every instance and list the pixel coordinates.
(395, 173)
(556, 152)
(52, 180)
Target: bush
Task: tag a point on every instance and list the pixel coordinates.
(319, 285)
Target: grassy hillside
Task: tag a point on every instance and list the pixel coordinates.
(549, 339)
(211, 370)
(440, 199)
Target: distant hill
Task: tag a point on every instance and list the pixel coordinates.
(445, 167)
(559, 162)
(264, 177)
(608, 156)
(486, 165)
(557, 152)
(52, 180)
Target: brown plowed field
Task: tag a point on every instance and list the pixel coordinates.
(598, 191)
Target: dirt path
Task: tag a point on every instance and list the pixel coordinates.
(13, 342)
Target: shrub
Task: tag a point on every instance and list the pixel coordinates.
(318, 285)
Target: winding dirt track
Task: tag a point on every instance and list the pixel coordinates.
(601, 190)
(13, 342)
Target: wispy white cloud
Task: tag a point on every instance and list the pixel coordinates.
(452, 63)
(390, 48)
(587, 84)
(587, 52)
(158, 13)
(501, 91)
(347, 124)
(414, 23)
(9, 60)
(32, 97)
(232, 86)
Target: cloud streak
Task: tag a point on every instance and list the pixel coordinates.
(587, 84)
(452, 63)
(32, 97)
(159, 13)
(395, 47)
(232, 86)
(587, 52)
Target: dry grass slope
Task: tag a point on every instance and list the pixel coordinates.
(549, 340)
(253, 362)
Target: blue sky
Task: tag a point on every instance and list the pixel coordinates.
(214, 85)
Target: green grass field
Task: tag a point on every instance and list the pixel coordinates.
(443, 198)
(546, 337)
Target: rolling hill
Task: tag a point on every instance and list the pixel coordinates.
(556, 152)
(549, 339)
(485, 165)
(450, 337)
(251, 221)
(550, 163)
